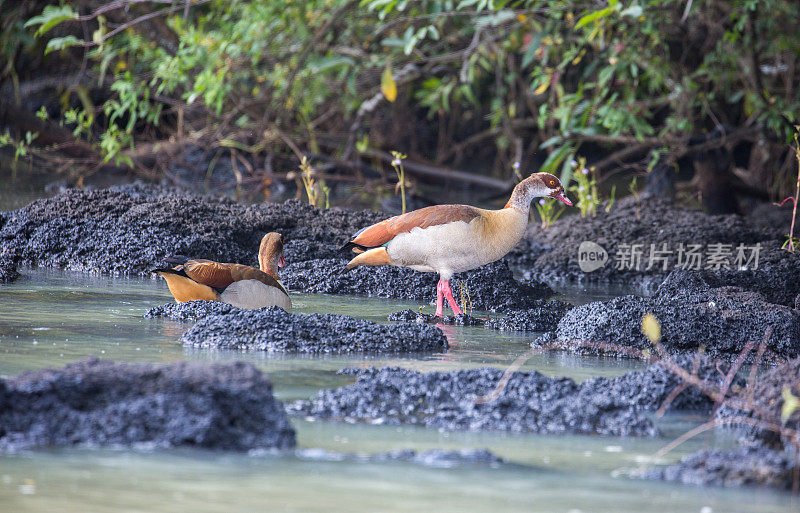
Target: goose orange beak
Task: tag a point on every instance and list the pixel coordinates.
(283, 262)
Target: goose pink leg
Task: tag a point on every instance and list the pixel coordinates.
(439, 299)
(443, 289)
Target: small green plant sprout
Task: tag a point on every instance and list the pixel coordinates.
(466, 300)
(790, 403)
(791, 241)
(397, 164)
(549, 210)
(612, 199)
(585, 187)
(362, 145)
(633, 188)
(308, 176)
(21, 147)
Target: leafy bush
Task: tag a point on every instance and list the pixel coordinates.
(527, 81)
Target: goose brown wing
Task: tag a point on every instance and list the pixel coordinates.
(245, 272)
(380, 233)
(208, 272)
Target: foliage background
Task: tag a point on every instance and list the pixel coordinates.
(488, 86)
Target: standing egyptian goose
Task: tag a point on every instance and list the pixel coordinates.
(239, 285)
(449, 239)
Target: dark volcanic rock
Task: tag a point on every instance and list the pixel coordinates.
(650, 220)
(754, 467)
(777, 277)
(649, 388)
(190, 311)
(530, 402)
(423, 318)
(692, 314)
(273, 329)
(128, 229)
(491, 287)
(8, 266)
(529, 249)
(102, 403)
(543, 317)
(767, 396)
(441, 458)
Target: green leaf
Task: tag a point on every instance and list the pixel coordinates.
(593, 16)
(50, 17)
(634, 11)
(530, 53)
(466, 3)
(498, 18)
(61, 43)
(790, 404)
(554, 159)
(553, 140)
(327, 63)
(394, 41)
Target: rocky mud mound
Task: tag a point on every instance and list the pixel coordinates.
(491, 287)
(102, 403)
(741, 467)
(692, 314)
(542, 317)
(8, 266)
(423, 318)
(275, 330)
(128, 229)
(648, 220)
(777, 277)
(767, 399)
(189, 311)
(530, 402)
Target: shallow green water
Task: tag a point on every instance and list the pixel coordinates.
(52, 318)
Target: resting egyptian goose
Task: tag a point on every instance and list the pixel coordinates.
(449, 239)
(239, 285)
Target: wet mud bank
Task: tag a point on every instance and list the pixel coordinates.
(693, 313)
(8, 266)
(128, 229)
(632, 225)
(190, 311)
(221, 326)
(741, 467)
(766, 399)
(103, 403)
(529, 403)
(544, 316)
(424, 318)
(768, 456)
